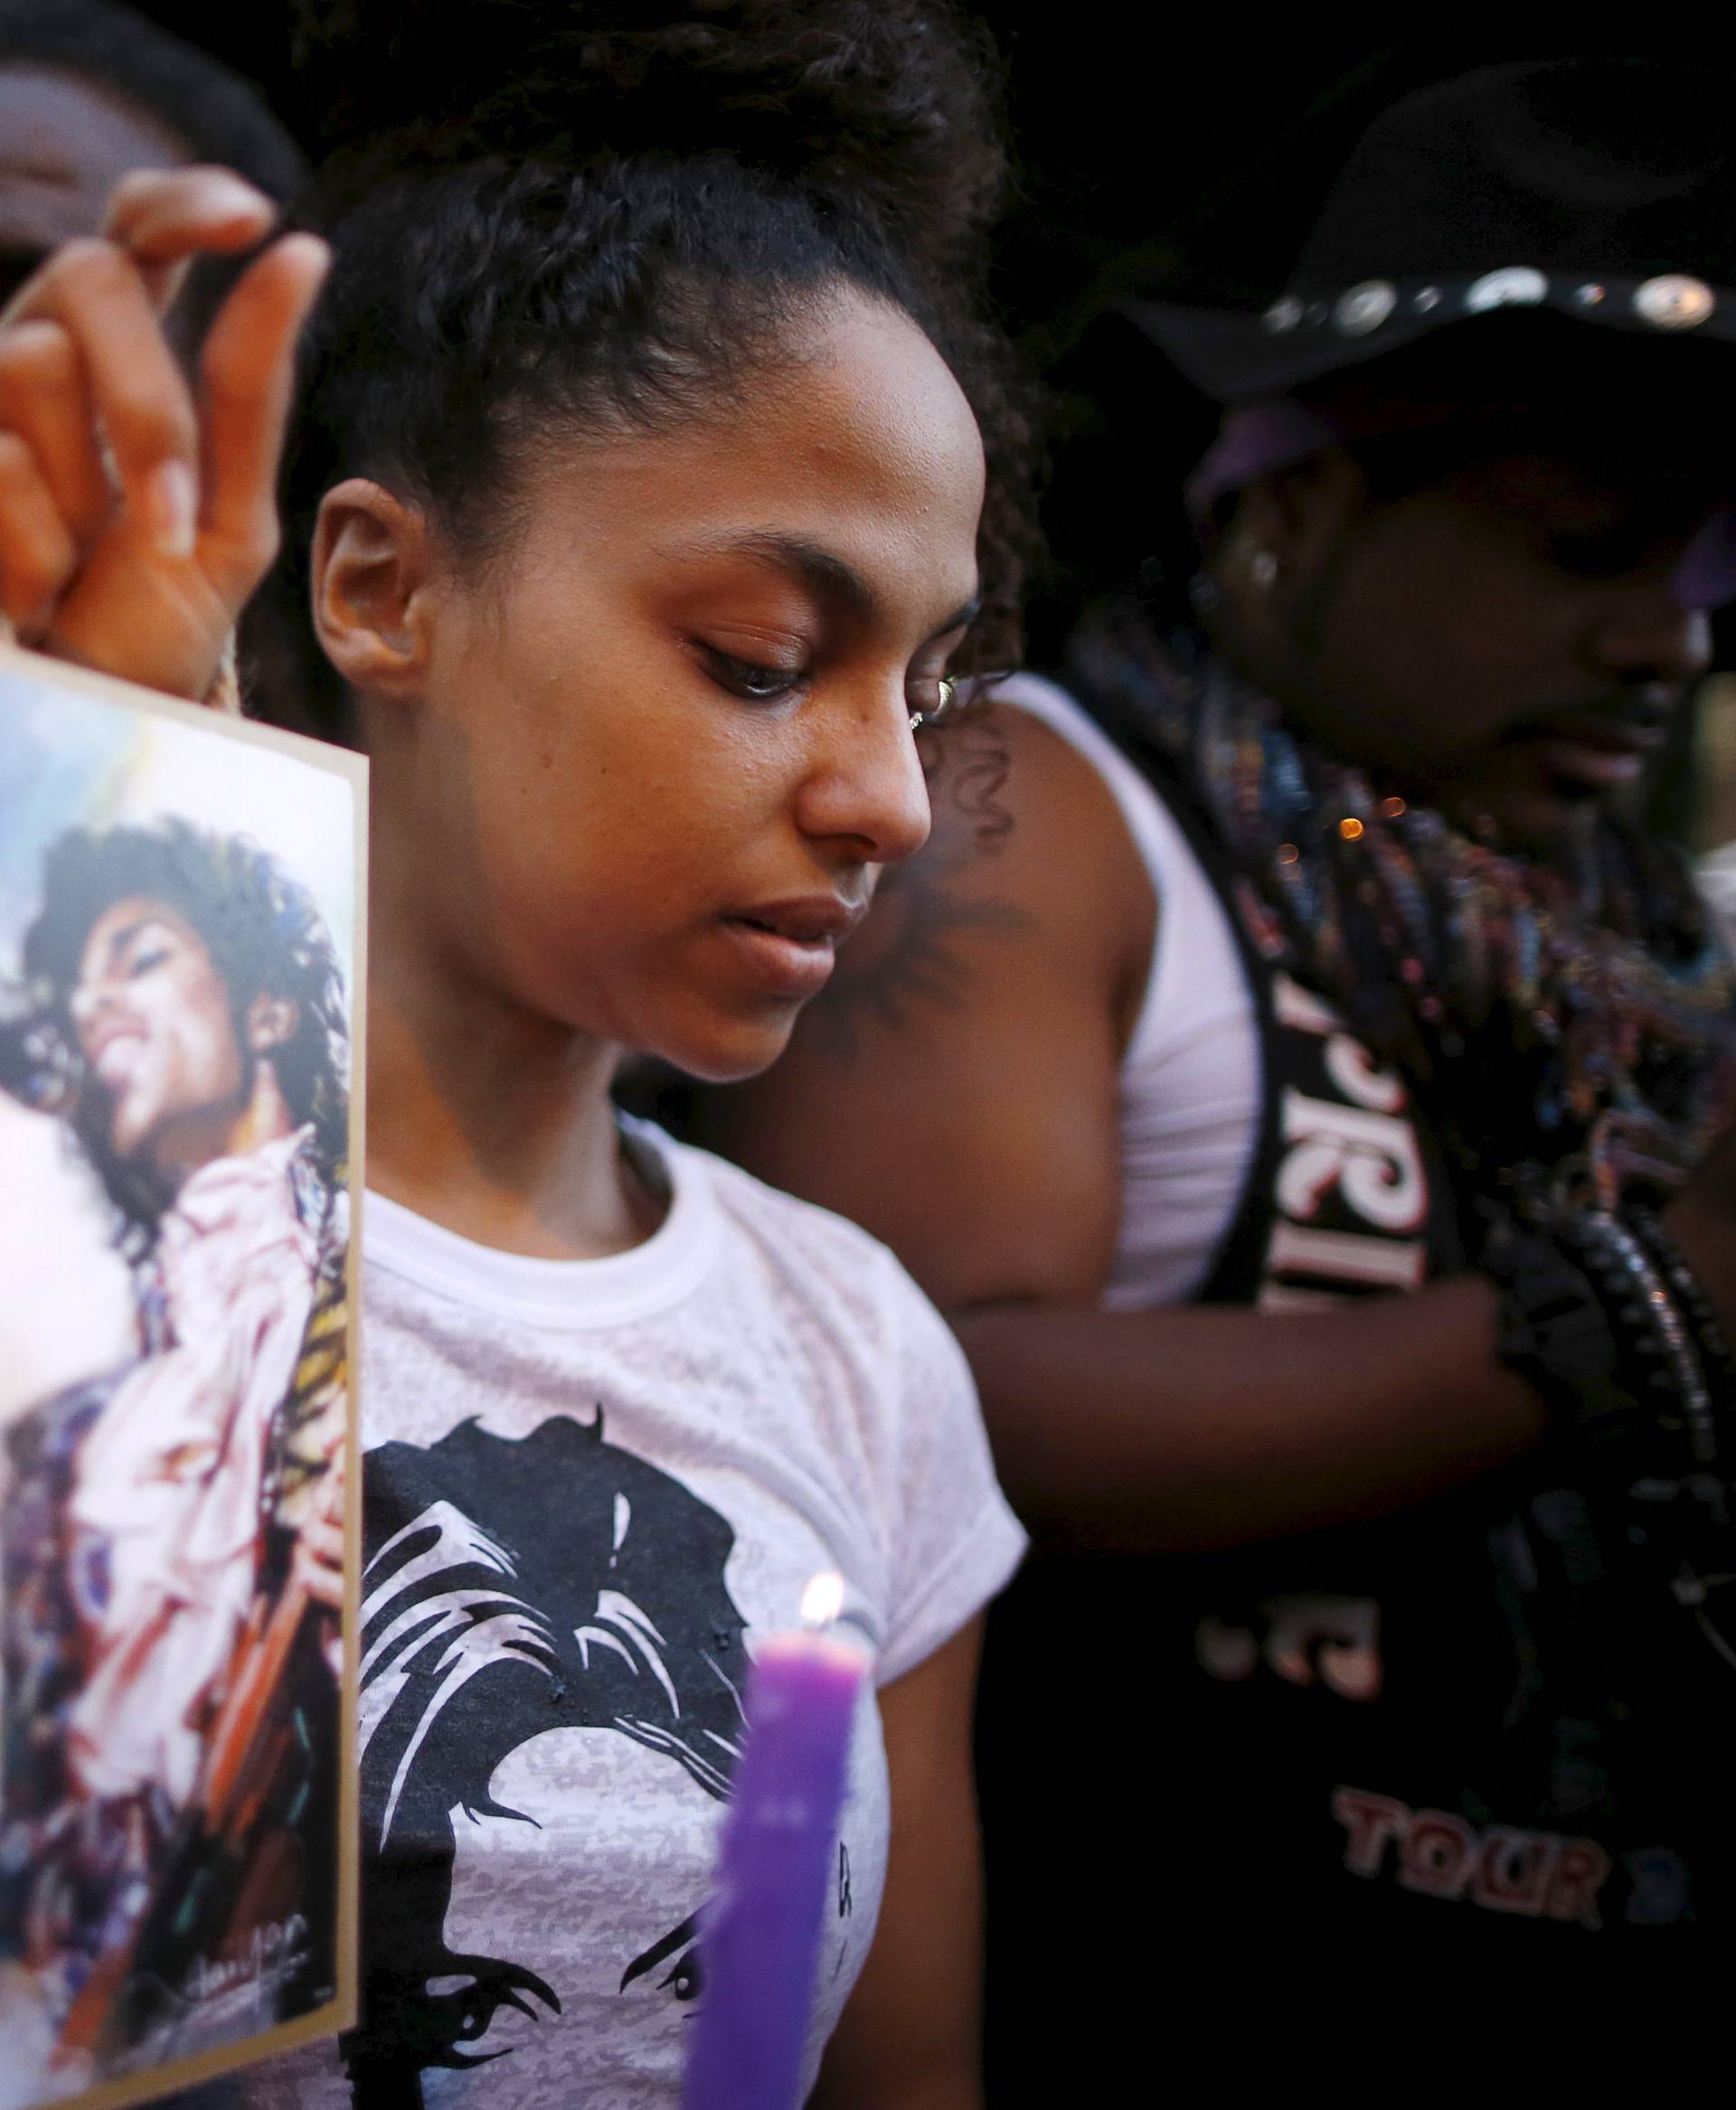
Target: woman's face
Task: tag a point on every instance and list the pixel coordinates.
(155, 1025)
(653, 757)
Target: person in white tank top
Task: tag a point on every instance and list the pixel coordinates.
(1189, 1081)
(1462, 558)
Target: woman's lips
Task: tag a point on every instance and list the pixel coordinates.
(780, 966)
(789, 949)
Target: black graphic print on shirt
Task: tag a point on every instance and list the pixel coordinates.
(512, 1586)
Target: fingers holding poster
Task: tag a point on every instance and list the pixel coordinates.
(179, 958)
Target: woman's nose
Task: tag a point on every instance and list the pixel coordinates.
(866, 784)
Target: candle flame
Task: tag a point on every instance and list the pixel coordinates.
(822, 1599)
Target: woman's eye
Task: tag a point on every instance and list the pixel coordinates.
(147, 958)
(749, 678)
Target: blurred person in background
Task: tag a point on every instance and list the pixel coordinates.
(1294, 953)
(91, 91)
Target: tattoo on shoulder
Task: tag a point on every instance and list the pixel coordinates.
(966, 763)
(913, 950)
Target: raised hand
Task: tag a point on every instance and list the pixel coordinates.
(139, 513)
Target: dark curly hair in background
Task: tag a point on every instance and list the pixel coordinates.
(264, 937)
(613, 238)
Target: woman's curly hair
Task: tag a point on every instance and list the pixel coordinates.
(264, 937)
(616, 233)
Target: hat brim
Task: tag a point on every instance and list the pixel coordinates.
(1235, 357)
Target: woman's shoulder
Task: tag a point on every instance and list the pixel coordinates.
(1061, 737)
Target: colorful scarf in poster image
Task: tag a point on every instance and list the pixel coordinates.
(1542, 1019)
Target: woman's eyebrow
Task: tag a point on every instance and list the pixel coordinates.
(825, 575)
(965, 614)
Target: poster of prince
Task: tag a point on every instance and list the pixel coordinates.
(181, 956)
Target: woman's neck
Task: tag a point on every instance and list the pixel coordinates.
(496, 1124)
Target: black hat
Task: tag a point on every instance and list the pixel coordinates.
(1604, 189)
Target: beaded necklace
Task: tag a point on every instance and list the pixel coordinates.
(1581, 1025)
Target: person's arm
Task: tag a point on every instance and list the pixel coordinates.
(910, 2036)
(956, 1092)
(1184, 1430)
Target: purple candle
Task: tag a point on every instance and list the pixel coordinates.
(760, 1940)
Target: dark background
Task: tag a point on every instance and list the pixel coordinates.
(1166, 147)
(1182, 148)
(1152, 147)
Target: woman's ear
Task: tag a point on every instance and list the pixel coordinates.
(371, 574)
(271, 1020)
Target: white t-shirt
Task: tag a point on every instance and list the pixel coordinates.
(590, 1487)
(1189, 1084)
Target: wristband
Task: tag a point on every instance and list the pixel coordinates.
(1556, 1332)
(1711, 1341)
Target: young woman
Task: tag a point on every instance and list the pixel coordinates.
(636, 502)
